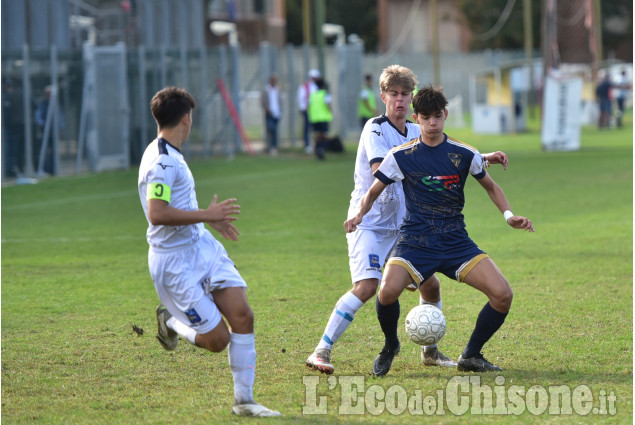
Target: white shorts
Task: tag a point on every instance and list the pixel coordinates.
(186, 277)
(368, 251)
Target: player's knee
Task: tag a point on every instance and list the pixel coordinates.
(503, 299)
(431, 289)
(387, 296)
(214, 343)
(365, 289)
(242, 321)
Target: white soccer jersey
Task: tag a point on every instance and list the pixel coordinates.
(164, 164)
(378, 137)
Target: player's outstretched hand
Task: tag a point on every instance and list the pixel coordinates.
(223, 211)
(497, 157)
(520, 222)
(226, 228)
(351, 225)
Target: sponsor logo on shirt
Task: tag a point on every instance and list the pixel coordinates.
(441, 183)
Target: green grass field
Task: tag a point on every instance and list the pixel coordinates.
(75, 281)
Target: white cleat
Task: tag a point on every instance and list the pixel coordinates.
(320, 361)
(253, 409)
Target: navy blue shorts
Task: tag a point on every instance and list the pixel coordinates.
(454, 254)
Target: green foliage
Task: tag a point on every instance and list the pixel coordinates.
(357, 16)
(75, 281)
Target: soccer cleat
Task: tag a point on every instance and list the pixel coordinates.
(433, 357)
(166, 336)
(384, 360)
(253, 409)
(476, 363)
(320, 360)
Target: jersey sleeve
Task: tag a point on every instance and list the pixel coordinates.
(477, 166)
(376, 145)
(389, 171)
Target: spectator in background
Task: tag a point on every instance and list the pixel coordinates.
(304, 91)
(13, 121)
(622, 86)
(41, 113)
(603, 97)
(271, 105)
(320, 116)
(9, 148)
(366, 106)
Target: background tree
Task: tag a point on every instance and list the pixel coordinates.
(356, 16)
(482, 15)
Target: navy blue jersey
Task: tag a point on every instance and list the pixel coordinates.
(433, 179)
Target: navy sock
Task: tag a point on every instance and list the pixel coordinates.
(388, 316)
(487, 323)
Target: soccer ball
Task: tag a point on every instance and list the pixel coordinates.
(425, 324)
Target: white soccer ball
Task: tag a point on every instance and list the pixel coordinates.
(425, 324)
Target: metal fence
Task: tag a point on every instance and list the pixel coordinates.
(27, 73)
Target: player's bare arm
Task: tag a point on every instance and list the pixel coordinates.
(499, 199)
(161, 213)
(365, 204)
(497, 157)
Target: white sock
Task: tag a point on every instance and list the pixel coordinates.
(182, 329)
(438, 305)
(242, 361)
(340, 319)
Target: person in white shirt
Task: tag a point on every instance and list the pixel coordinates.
(304, 93)
(194, 277)
(271, 105)
(622, 87)
(368, 248)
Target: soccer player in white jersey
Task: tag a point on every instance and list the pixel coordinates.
(433, 170)
(369, 247)
(195, 279)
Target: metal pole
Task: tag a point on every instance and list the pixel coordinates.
(529, 42)
(306, 21)
(235, 65)
(434, 27)
(319, 36)
(28, 135)
(143, 100)
(56, 112)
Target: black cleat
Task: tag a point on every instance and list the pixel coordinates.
(476, 363)
(384, 360)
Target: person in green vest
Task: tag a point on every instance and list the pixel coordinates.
(320, 116)
(366, 106)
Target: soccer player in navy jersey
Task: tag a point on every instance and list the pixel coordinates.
(433, 170)
(369, 247)
(194, 277)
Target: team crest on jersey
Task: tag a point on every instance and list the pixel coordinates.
(373, 260)
(193, 316)
(455, 158)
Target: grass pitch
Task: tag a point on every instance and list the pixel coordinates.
(75, 281)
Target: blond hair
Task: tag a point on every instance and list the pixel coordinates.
(397, 75)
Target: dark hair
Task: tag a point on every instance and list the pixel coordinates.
(169, 105)
(321, 84)
(429, 100)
